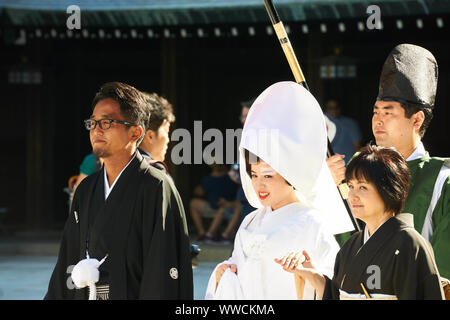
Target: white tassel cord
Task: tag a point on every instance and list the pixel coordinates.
(86, 274)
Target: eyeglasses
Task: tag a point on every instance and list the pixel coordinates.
(104, 124)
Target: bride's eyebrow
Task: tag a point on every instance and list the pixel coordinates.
(266, 171)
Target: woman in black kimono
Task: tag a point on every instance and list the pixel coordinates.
(389, 259)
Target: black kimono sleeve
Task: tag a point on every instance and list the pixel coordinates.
(60, 286)
(167, 268)
(331, 291)
(417, 277)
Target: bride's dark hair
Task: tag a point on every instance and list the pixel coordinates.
(251, 158)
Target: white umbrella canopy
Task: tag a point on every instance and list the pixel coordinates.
(286, 128)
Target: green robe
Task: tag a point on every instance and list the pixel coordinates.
(424, 172)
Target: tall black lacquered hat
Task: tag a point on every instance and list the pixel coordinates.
(410, 74)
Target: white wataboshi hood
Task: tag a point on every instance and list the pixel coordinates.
(286, 128)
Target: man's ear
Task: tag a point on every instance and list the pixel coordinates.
(419, 117)
(137, 132)
(151, 135)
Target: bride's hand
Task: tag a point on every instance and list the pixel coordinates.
(298, 263)
(301, 265)
(221, 269)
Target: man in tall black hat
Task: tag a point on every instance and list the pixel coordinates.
(401, 114)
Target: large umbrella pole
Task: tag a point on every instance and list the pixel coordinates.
(300, 79)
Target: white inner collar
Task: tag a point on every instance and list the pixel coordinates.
(108, 189)
(418, 152)
(366, 231)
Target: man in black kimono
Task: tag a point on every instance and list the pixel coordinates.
(128, 211)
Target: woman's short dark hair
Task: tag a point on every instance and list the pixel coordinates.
(386, 169)
(131, 101)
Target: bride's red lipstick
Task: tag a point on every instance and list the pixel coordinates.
(263, 197)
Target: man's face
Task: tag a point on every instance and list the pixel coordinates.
(116, 139)
(159, 141)
(333, 109)
(390, 126)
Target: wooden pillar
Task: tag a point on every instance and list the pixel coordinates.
(33, 155)
(169, 69)
(169, 85)
(40, 122)
(315, 52)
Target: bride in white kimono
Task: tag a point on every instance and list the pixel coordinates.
(284, 175)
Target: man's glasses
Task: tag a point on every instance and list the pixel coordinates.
(104, 124)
